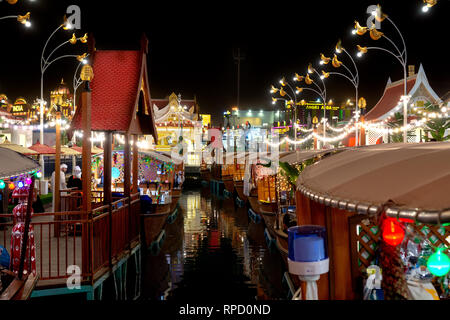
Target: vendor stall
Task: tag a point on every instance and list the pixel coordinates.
(385, 209)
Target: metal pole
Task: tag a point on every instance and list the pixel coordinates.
(405, 107)
(41, 122)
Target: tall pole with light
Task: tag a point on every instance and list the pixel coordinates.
(77, 80)
(321, 91)
(45, 63)
(292, 102)
(400, 55)
(25, 19)
(352, 76)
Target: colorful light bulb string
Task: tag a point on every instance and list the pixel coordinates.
(438, 263)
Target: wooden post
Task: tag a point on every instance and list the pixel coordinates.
(362, 134)
(86, 175)
(315, 139)
(135, 164)
(107, 168)
(127, 166)
(107, 180)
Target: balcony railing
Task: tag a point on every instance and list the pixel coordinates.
(90, 240)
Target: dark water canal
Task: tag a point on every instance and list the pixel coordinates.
(213, 251)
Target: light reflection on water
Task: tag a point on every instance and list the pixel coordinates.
(213, 251)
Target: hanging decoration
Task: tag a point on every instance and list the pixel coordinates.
(439, 263)
(17, 233)
(393, 232)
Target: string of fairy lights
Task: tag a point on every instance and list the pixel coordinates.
(353, 124)
(24, 125)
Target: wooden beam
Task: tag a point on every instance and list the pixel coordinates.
(86, 176)
(135, 164)
(86, 162)
(127, 166)
(107, 172)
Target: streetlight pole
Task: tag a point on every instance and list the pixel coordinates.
(45, 63)
(292, 101)
(400, 55)
(25, 19)
(353, 77)
(323, 95)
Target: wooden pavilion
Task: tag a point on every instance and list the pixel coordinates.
(97, 238)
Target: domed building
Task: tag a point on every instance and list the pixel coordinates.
(62, 97)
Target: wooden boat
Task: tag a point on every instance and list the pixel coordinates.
(269, 218)
(228, 182)
(253, 200)
(176, 192)
(18, 289)
(239, 186)
(205, 173)
(153, 225)
(282, 244)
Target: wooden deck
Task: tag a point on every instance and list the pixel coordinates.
(53, 254)
(93, 242)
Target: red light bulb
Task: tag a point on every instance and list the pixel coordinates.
(393, 233)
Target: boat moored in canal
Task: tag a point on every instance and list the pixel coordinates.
(371, 201)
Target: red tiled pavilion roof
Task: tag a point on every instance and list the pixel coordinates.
(390, 99)
(42, 148)
(118, 75)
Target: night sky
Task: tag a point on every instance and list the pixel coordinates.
(191, 45)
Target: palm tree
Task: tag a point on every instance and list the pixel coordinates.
(436, 127)
(397, 123)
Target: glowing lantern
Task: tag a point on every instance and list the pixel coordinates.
(439, 263)
(11, 186)
(393, 233)
(20, 184)
(28, 181)
(38, 174)
(2, 184)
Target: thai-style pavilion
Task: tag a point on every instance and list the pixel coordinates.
(96, 239)
(418, 89)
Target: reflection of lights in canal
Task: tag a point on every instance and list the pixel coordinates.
(216, 251)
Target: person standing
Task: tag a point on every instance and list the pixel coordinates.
(75, 179)
(62, 185)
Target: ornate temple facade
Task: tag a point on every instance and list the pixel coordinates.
(61, 97)
(175, 117)
(420, 93)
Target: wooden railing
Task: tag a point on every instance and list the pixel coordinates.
(91, 241)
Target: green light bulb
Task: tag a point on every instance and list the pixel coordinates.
(439, 263)
(2, 184)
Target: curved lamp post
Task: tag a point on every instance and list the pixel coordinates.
(400, 55)
(25, 19)
(292, 102)
(77, 79)
(46, 62)
(321, 91)
(352, 76)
